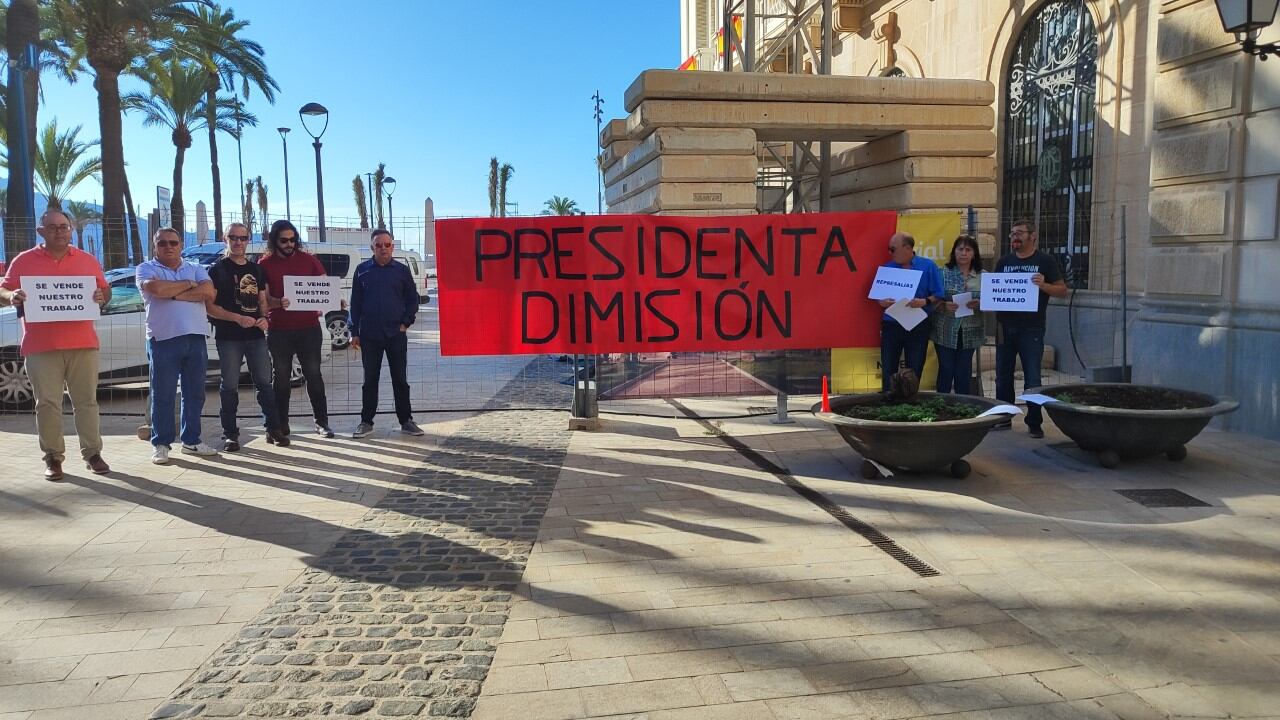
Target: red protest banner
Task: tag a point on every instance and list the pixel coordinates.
(645, 283)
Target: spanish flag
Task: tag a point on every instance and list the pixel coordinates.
(692, 62)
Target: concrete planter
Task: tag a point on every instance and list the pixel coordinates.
(910, 446)
(1123, 434)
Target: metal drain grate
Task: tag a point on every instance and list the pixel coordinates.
(872, 535)
(1162, 498)
(761, 411)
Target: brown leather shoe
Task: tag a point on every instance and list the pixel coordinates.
(98, 465)
(52, 470)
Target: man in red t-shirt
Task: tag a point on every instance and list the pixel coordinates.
(60, 354)
(293, 332)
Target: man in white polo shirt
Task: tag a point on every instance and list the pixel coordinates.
(174, 292)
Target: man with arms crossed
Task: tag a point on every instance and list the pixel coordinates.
(1021, 334)
(174, 292)
(239, 315)
(293, 332)
(384, 303)
(60, 354)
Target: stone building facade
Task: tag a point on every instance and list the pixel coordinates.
(1129, 130)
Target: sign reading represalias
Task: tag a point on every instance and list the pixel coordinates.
(895, 283)
(313, 292)
(57, 298)
(1009, 292)
(643, 283)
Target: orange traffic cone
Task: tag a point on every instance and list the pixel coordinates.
(826, 401)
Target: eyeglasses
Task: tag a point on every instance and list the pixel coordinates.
(58, 228)
(893, 249)
(168, 243)
(383, 245)
(238, 238)
(289, 240)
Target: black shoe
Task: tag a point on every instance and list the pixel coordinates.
(1035, 432)
(323, 430)
(231, 445)
(275, 438)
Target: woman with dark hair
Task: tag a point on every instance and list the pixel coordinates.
(293, 333)
(956, 338)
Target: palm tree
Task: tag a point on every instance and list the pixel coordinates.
(60, 162)
(504, 176)
(493, 187)
(22, 28)
(111, 36)
(247, 209)
(262, 206)
(357, 187)
(175, 99)
(228, 60)
(82, 215)
(378, 175)
(560, 206)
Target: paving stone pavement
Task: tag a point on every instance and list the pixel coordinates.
(400, 617)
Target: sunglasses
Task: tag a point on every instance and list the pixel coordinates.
(288, 240)
(238, 238)
(168, 243)
(383, 245)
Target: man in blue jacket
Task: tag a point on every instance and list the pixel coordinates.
(895, 340)
(384, 302)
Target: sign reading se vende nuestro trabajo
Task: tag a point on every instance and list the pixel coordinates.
(59, 298)
(313, 292)
(642, 283)
(1009, 292)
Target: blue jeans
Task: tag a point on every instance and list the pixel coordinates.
(894, 341)
(231, 354)
(182, 359)
(1025, 344)
(955, 365)
(397, 352)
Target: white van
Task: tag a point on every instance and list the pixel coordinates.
(339, 260)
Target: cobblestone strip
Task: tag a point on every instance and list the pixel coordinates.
(401, 617)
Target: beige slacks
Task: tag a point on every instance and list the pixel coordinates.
(76, 371)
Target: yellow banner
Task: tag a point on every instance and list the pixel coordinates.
(855, 370)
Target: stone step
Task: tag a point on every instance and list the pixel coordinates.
(919, 195)
(912, 143)
(914, 169)
(688, 196)
(621, 183)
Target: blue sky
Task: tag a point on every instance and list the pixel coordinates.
(432, 88)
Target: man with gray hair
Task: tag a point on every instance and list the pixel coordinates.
(895, 340)
(174, 292)
(61, 354)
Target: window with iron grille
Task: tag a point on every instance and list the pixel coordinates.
(1049, 119)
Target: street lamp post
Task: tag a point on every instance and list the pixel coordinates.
(316, 111)
(599, 171)
(389, 185)
(368, 190)
(1246, 19)
(288, 208)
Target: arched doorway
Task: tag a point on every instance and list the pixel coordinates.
(1049, 119)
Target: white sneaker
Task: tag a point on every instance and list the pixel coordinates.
(160, 455)
(200, 449)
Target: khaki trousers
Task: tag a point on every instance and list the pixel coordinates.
(77, 372)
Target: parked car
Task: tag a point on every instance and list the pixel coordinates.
(338, 261)
(122, 336)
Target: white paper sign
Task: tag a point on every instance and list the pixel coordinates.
(1037, 399)
(1009, 292)
(962, 304)
(908, 317)
(1002, 410)
(313, 292)
(895, 283)
(58, 298)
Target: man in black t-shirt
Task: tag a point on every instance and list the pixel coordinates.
(1021, 334)
(239, 316)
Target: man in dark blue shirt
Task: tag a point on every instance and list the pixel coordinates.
(384, 302)
(895, 340)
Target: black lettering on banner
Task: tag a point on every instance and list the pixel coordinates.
(482, 256)
(539, 256)
(783, 327)
(42, 286)
(719, 314)
(573, 319)
(742, 240)
(639, 317)
(557, 253)
(836, 236)
(697, 314)
(591, 307)
(659, 234)
(524, 317)
(640, 250)
(703, 253)
(675, 329)
(617, 264)
(797, 235)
